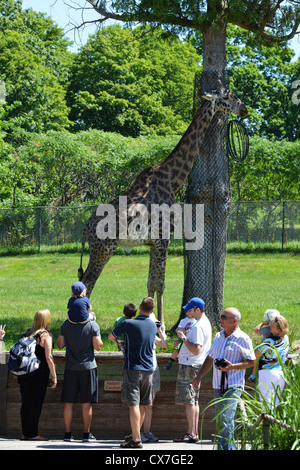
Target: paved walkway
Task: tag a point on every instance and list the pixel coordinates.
(13, 443)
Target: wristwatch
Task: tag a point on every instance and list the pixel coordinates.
(184, 339)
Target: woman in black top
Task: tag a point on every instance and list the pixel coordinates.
(33, 387)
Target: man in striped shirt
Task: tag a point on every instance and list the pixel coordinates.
(235, 347)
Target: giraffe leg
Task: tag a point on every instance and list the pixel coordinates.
(99, 257)
(156, 279)
(151, 274)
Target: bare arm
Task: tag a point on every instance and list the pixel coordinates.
(162, 340)
(206, 366)
(97, 343)
(46, 343)
(259, 326)
(193, 348)
(238, 365)
(2, 334)
(112, 337)
(60, 342)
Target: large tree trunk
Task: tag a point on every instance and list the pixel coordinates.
(209, 184)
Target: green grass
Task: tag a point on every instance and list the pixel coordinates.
(253, 283)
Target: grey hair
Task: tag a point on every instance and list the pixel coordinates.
(234, 312)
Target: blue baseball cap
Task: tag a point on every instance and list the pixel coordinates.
(195, 302)
(78, 287)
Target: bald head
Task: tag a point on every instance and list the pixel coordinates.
(234, 312)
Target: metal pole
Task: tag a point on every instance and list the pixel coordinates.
(40, 229)
(282, 232)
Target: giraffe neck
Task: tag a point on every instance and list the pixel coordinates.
(180, 162)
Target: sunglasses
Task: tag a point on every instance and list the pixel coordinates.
(223, 317)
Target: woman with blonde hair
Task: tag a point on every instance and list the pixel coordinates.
(271, 355)
(33, 386)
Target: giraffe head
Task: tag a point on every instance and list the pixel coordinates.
(227, 102)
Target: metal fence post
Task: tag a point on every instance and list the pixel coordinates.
(40, 230)
(283, 221)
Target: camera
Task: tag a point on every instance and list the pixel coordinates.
(220, 362)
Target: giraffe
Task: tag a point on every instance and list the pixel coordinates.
(157, 184)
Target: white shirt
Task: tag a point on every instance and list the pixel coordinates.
(200, 333)
(187, 323)
(236, 348)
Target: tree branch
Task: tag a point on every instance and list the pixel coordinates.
(146, 16)
(257, 17)
(261, 19)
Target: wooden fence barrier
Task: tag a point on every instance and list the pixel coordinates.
(110, 419)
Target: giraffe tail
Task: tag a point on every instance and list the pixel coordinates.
(80, 270)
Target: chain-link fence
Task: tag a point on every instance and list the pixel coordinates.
(260, 222)
(37, 226)
(253, 221)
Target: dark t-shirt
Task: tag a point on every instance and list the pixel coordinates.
(78, 308)
(79, 346)
(139, 342)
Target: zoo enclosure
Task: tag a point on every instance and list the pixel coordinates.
(249, 221)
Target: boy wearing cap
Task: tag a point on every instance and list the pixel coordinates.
(196, 344)
(79, 308)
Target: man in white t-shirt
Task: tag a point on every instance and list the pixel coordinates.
(196, 344)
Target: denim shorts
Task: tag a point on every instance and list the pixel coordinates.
(185, 393)
(137, 388)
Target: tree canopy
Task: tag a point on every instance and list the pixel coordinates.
(70, 119)
(133, 81)
(273, 20)
(34, 65)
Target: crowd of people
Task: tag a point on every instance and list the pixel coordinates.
(137, 333)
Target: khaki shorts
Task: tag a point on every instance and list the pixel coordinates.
(185, 393)
(137, 388)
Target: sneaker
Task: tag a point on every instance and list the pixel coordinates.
(88, 437)
(144, 438)
(68, 437)
(150, 437)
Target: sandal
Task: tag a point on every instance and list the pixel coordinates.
(194, 438)
(185, 438)
(132, 444)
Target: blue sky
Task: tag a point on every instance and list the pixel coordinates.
(66, 17)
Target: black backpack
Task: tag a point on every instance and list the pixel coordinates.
(22, 359)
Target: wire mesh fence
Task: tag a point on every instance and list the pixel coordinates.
(249, 221)
(264, 222)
